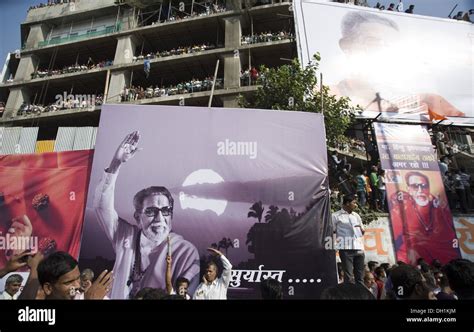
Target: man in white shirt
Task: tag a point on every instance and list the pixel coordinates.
(211, 287)
(349, 240)
(12, 287)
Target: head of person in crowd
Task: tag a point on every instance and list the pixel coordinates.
(347, 291)
(211, 271)
(372, 265)
(13, 284)
(380, 273)
(385, 266)
(153, 212)
(271, 289)
(369, 279)
(149, 293)
(59, 276)
(422, 265)
(182, 285)
(172, 297)
(409, 284)
(436, 264)
(87, 276)
(460, 273)
(349, 203)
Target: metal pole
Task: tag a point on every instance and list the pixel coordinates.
(321, 91)
(117, 18)
(251, 39)
(213, 83)
(106, 90)
(250, 67)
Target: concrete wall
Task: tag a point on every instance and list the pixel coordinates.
(62, 10)
(124, 52)
(26, 67)
(118, 81)
(37, 34)
(83, 26)
(233, 33)
(15, 99)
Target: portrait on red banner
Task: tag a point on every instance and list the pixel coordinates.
(421, 218)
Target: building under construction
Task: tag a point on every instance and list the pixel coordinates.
(78, 55)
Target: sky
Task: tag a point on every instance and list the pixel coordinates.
(13, 13)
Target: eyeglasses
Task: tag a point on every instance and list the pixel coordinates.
(154, 211)
(417, 186)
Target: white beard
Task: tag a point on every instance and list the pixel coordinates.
(156, 237)
(421, 201)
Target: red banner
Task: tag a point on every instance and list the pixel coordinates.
(421, 219)
(42, 198)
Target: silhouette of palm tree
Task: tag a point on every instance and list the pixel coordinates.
(225, 243)
(256, 211)
(271, 213)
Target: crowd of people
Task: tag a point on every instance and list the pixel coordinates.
(369, 183)
(457, 185)
(36, 109)
(358, 280)
(452, 281)
(48, 274)
(249, 76)
(464, 16)
(264, 37)
(401, 281)
(457, 182)
(50, 3)
(40, 73)
(176, 15)
(134, 93)
(399, 7)
(175, 51)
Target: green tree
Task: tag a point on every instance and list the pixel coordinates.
(294, 88)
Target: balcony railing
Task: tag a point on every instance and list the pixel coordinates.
(76, 37)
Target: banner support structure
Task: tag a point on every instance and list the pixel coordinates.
(213, 83)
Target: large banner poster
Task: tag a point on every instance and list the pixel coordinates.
(465, 231)
(421, 219)
(250, 183)
(378, 242)
(42, 200)
(419, 68)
